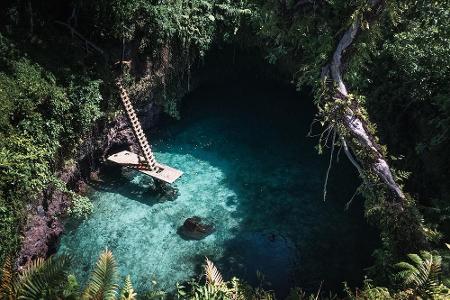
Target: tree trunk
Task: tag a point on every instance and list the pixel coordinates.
(354, 132)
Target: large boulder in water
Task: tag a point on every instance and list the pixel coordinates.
(194, 229)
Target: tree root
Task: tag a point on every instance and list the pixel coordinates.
(329, 165)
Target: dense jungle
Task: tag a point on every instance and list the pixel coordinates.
(225, 149)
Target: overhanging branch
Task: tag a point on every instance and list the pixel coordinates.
(354, 125)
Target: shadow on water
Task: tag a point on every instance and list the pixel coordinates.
(146, 191)
(287, 235)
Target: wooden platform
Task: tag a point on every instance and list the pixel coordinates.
(130, 159)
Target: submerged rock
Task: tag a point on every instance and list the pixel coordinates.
(194, 229)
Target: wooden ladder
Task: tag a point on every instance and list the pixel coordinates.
(149, 158)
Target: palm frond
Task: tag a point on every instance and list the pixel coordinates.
(6, 284)
(40, 276)
(127, 292)
(103, 281)
(31, 268)
(213, 276)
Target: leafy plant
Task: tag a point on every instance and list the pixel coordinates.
(103, 281)
(41, 121)
(81, 207)
(41, 279)
(421, 274)
(213, 276)
(127, 292)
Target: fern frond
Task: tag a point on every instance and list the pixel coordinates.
(415, 258)
(213, 276)
(6, 284)
(127, 292)
(103, 281)
(423, 275)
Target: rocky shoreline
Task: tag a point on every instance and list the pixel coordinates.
(45, 217)
(45, 222)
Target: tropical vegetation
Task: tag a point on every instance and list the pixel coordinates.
(379, 72)
(421, 278)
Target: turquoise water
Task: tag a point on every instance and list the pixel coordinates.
(250, 170)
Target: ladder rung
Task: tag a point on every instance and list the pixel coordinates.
(137, 128)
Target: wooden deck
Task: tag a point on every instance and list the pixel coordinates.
(132, 160)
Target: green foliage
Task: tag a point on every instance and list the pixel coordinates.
(23, 172)
(103, 281)
(85, 96)
(40, 120)
(47, 280)
(127, 292)
(41, 279)
(413, 68)
(420, 278)
(305, 37)
(23, 165)
(369, 292)
(81, 207)
(71, 289)
(150, 23)
(421, 275)
(215, 288)
(401, 64)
